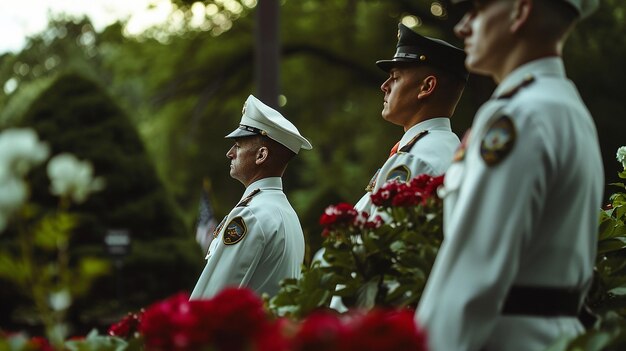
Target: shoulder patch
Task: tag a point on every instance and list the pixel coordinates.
(247, 199)
(401, 173)
(372, 183)
(498, 141)
(235, 231)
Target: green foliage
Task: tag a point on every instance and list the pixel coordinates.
(607, 297)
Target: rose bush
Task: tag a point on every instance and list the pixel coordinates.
(379, 259)
(605, 306)
(235, 320)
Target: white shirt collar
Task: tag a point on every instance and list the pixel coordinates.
(552, 66)
(271, 182)
(438, 123)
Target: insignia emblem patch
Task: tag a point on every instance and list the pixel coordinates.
(372, 183)
(401, 173)
(498, 141)
(235, 231)
(459, 154)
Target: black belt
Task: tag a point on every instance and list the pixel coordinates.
(542, 301)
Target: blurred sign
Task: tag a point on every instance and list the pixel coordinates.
(117, 242)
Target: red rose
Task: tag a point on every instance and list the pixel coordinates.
(341, 213)
(177, 324)
(386, 193)
(420, 181)
(376, 222)
(39, 343)
(320, 331)
(392, 330)
(239, 317)
(431, 188)
(126, 327)
(275, 336)
(406, 198)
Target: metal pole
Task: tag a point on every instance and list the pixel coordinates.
(267, 52)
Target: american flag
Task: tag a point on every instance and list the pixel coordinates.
(206, 220)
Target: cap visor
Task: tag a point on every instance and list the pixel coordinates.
(240, 133)
(387, 65)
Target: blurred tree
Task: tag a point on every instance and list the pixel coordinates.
(76, 115)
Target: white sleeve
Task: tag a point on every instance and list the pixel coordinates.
(232, 265)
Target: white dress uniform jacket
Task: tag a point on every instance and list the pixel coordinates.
(427, 147)
(528, 219)
(257, 245)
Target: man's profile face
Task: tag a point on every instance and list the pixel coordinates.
(400, 100)
(485, 32)
(242, 157)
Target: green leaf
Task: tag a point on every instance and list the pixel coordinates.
(54, 231)
(96, 342)
(13, 270)
(611, 245)
(619, 291)
(366, 295)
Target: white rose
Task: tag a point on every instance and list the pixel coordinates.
(13, 194)
(72, 177)
(20, 150)
(621, 156)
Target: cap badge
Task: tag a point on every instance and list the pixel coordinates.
(243, 110)
(235, 231)
(498, 141)
(398, 34)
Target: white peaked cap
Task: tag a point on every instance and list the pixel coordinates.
(583, 7)
(258, 118)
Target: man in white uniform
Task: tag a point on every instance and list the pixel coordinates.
(426, 79)
(522, 197)
(260, 242)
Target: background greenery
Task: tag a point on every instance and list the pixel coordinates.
(176, 91)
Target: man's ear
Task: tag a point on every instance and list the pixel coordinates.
(261, 155)
(427, 87)
(520, 14)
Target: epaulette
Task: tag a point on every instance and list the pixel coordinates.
(529, 79)
(247, 199)
(409, 145)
